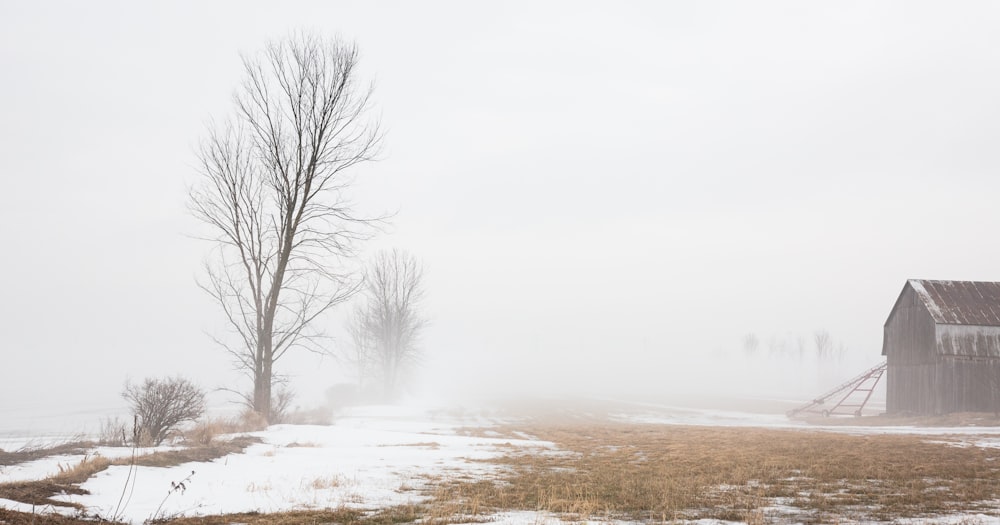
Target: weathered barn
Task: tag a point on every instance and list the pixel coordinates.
(942, 348)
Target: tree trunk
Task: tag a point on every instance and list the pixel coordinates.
(262, 379)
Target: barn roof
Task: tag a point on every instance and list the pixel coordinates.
(960, 302)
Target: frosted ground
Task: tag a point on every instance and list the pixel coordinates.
(370, 458)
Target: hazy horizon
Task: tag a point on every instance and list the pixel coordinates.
(606, 197)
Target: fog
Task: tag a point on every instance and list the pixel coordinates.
(607, 197)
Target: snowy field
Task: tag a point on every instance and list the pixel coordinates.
(370, 458)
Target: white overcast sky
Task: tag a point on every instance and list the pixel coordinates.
(599, 191)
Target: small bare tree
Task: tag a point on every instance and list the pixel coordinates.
(776, 346)
(160, 405)
(801, 346)
(824, 344)
(273, 193)
(387, 326)
(750, 344)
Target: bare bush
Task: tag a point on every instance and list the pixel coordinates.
(281, 404)
(160, 405)
(112, 432)
(824, 344)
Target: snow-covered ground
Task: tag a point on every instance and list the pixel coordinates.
(675, 415)
(370, 458)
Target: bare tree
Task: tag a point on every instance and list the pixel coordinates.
(362, 356)
(824, 344)
(386, 327)
(801, 346)
(161, 404)
(273, 193)
(776, 346)
(750, 344)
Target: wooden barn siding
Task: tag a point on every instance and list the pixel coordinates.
(970, 362)
(967, 340)
(969, 384)
(912, 382)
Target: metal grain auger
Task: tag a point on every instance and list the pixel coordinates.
(864, 383)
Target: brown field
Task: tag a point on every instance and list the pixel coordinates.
(665, 473)
(603, 470)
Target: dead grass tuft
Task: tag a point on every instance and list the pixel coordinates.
(208, 429)
(33, 453)
(433, 445)
(316, 416)
(39, 492)
(214, 450)
(329, 482)
(82, 471)
(10, 517)
(251, 421)
(304, 444)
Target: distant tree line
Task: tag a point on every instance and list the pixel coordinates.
(822, 346)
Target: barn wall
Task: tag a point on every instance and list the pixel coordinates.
(967, 340)
(970, 367)
(970, 384)
(913, 378)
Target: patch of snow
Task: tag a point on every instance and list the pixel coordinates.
(671, 415)
(918, 287)
(953, 519)
(368, 461)
(16, 441)
(528, 517)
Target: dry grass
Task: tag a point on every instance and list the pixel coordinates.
(316, 416)
(207, 430)
(650, 472)
(66, 481)
(389, 516)
(433, 445)
(327, 482)
(31, 454)
(81, 471)
(957, 419)
(213, 450)
(40, 492)
(10, 517)
(606, 471)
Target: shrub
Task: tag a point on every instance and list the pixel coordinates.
(281, 404)
(206, 430)
(112, 432)
(162, 404)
